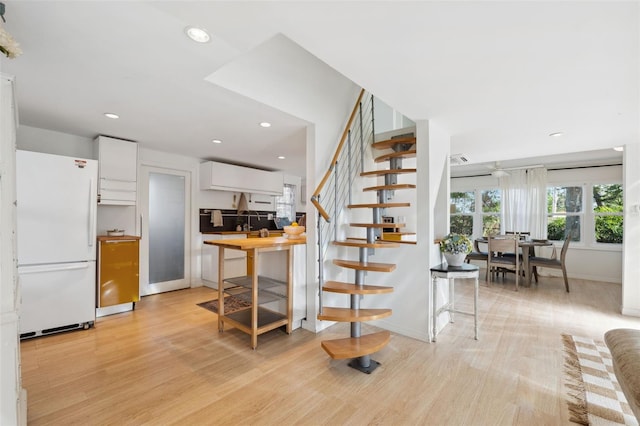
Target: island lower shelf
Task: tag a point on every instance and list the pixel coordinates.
(267, 320)
(269, 289)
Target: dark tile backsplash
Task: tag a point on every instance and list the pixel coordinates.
(231, 218)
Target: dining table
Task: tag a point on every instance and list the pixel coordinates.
(527, 247)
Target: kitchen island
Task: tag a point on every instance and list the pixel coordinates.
(259, 319)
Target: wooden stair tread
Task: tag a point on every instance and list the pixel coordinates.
(361, 266)
(363, 243)
(389, 143)
(392, 187)
(354, 347)
(350, 288)
(378, 205)
(387, 172)
(353, 315)
(400, 154)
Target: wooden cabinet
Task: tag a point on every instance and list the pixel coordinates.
(118, 270)
(117, 171)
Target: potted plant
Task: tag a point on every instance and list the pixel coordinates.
(455, 248)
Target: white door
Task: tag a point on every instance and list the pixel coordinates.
(165, 205)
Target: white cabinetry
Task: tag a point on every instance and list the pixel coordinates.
(235, 261)
(228, 177)
(118, 165)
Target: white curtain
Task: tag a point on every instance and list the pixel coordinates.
(524, 202)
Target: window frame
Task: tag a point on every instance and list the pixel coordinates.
(581, 215)
(478, 214)
(588, 239)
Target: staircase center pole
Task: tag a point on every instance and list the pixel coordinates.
(356, 327)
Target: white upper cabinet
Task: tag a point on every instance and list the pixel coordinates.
(228, 177)
(118, 170)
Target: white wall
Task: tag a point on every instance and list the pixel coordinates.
(388, 119)
(13, 402)
(631, 265)
(584, 260)
(51, 142)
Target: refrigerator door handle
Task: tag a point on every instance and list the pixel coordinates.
(140, 225)
(36, 269)
(92, 214)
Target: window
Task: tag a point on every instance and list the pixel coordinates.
(476, 213)
(564, 208)
(286, 203)
(462, 209)
(607, 211)
(491, 205)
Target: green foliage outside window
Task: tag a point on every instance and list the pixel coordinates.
(491, 201)
(461, 224)
(609, 229)
(555, 228)
(463, 202)
(490, 225)
(608, 208)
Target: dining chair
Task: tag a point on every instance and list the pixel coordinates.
(518, 236)
(497, 256)
(478, 255)
(554, 263)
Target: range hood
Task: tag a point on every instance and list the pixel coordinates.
(229, 177)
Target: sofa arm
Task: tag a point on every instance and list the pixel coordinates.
(624, 345)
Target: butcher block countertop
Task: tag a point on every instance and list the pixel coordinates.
(257, 243)
(121, 237)
(227, 232)
(247, 233)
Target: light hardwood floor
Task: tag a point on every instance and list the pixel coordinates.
(166, 363)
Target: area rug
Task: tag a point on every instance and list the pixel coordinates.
(595, 397)
(231, 304)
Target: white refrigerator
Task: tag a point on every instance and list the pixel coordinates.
(56, 236)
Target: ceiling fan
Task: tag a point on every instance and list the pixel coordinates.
(497, 171)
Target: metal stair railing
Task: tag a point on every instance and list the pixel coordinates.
(333, 193)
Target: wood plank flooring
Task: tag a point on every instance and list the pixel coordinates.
(165, 363)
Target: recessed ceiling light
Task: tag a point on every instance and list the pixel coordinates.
(216, 141)
(111, 115)
(281, 157)
(618, 148)
(556, 134)
(265, 124)
(197, 34)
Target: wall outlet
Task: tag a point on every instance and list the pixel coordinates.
(270, 216)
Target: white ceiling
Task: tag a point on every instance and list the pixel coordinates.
(499, 77)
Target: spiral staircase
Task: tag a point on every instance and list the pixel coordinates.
(359, 347)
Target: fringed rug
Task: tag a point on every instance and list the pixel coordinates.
(231, 304)
(595, 397)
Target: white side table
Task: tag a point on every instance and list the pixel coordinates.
(451, 273)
